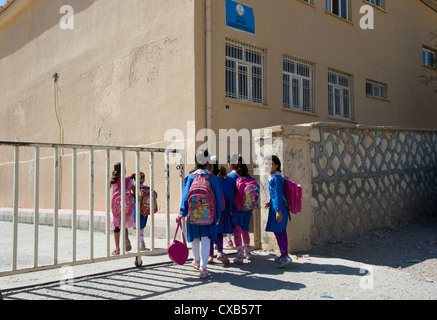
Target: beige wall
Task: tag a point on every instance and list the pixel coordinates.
(127, 74)
(123, 67)
(391, 54)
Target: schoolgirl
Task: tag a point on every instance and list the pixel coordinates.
(225, 225)
(278, 209)
(116, 212)
(200, 236)
(240, 219)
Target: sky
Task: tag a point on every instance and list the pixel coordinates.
(2, 2)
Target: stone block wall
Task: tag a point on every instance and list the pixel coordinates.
(359, 178)
(365, 178)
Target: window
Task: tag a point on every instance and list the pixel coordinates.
(428, 57)
(377, 3)
(298, 84)
(245, 73)
(376, 89)
(338, 7)
(340, 97)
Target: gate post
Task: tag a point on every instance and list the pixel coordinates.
(291, 145)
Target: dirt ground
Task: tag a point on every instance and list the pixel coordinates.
(411, 248)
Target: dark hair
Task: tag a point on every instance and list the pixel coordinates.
(222, 172)
(276, 160)
(238, 165)
(116, 173)
(202, 158)
(215, 169)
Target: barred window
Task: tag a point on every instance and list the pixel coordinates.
(376, 89)
(339, 8)
(298, 84)
(245, 73)
(340, 97)
(429, 58)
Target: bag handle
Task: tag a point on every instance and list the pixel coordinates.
(179, 226)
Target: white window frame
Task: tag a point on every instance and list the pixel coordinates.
(330, 8)
(298, 97)
(242, 81)
(340, 95)
(428, 58)
(376, 90)
(377, 3)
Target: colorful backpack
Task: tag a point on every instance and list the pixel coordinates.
(116, 201)
(247, 194)
(293, 194)
(145, 201)
(201, 201)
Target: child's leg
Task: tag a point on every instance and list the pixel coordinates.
(128, 244)
(142, 235)
(238, 244)
(211, 249)
(117, 238)
(219, 242)
(281, 243)
(204, 252)
(237, 236)
(285, 239)
(246, 241)
(195, 245)
(246, 237)
(116, 251)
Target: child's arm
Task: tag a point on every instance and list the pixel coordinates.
(217, 189)
(184, 205)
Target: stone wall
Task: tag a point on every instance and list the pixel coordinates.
(356, 178)
(365, 178)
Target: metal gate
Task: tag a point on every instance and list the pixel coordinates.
(90, 150)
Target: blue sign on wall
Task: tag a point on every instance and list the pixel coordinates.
(240, 17)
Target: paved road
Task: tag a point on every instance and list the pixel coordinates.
(315, 278)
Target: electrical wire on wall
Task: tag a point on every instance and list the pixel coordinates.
(61, 130)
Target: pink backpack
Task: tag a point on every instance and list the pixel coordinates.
(145, 201)
(201, 201)
(116, 200)
(293, 193)
(247, 195)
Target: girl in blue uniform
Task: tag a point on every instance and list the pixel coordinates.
(225, 225)
(278, 209)
(240, 219)
(200, 236)
(143, 219)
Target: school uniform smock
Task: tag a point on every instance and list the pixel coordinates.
(225, 225)
(240, 217)
(195, 231)
(277, 203)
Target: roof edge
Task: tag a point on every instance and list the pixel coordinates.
(6, 5)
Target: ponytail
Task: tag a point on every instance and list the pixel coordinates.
(238, 165)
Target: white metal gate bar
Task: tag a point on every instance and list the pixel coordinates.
(56, 172)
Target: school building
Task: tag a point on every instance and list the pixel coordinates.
(122, 73)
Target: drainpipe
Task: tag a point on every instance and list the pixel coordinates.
(208, 58)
